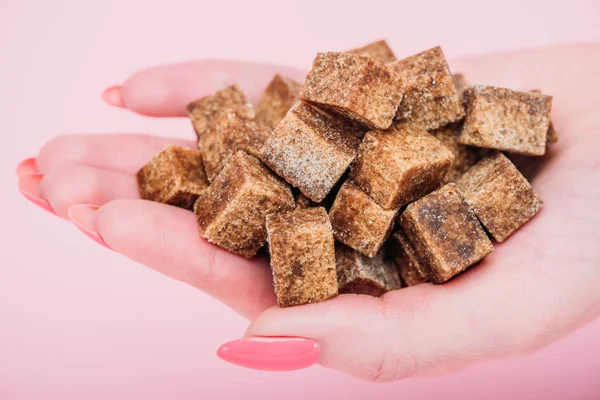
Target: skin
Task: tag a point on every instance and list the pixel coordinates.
(531, 290)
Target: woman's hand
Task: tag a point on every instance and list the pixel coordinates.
(535, 287)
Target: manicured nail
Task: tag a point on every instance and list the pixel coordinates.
(112, 96)
(29, 186)
(271, 353)
(82, 216)
(26, 167)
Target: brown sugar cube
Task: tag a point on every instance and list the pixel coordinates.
(499, 195)
(355, 87)
(202, 111)
(309, 151)
(228, 134)
(413, 270)
(279, 96)
(358, 221)
(304, 202)
(551, 135)
(400, 165)
(505, 119)
(231, 212)
(445, 233)
(364, 275)
(460, 83)
(302, 256)
(379, 51)
(430, 98)
(464, 156)
(175, 176)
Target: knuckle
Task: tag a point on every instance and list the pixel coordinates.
(66, 187)
(144, 88)
(110, 217)
(387, 367)
(397, 360)
(61, 150)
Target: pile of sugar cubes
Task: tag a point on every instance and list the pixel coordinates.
(373, 175)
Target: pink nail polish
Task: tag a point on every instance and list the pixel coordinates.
(271, 353)
(26, 167)
(82, 216)
(112, 96)
(29, 186)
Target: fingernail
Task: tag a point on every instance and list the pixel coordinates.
(26, 167)
(29, 186)
(112, 96)
(271, 353)
(82, 216)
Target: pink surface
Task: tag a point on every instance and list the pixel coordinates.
(80, 321)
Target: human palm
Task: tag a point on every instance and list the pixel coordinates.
(532, 289)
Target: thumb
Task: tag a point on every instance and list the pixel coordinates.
(487, 312)
(367, 337)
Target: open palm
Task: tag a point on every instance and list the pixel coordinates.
(534, 288)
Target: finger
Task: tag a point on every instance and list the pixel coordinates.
(125, 153)
(80, 184)
(166, 239)
(165, 91)
(419, 329)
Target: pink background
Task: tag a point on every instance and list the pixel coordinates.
(78, 321)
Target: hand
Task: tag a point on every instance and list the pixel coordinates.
(531, 290)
